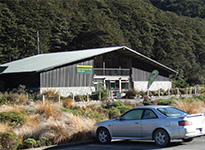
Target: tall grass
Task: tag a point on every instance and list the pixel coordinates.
(47, 110)
(191, 107)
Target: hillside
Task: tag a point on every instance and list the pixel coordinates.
(63, 25)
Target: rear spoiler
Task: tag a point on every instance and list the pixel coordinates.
(195, 115)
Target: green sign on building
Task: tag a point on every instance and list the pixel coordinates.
(84, 69)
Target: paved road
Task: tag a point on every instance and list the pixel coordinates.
(196, 144)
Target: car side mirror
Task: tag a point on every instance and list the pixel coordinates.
(118, 118)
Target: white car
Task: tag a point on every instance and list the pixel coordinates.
(158, 123)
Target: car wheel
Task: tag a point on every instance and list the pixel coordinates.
(161, 138)
(103, 136)
(187, 140)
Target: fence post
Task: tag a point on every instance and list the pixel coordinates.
(177, 91)
(59, 98)
(43, 99)
(100, 96)
(159, 93)
(195, 90)
(187, 91)
(73, 97)
(87, 97)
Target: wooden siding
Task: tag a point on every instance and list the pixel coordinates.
(66, 76)
(142, 70)
(141, 75)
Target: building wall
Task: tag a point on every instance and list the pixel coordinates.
(66, 76)
(142, 70)
(142, 75)
(156, 85)
(67, 91)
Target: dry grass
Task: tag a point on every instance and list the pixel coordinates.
(48, 110)
(16, 108)
(65, 128)
(29, 127)
(67, 103)
(5, 128)
(190, 107)
(46, 120)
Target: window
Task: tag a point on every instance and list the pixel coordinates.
(133, 115)
(148, 114)
(172, 112)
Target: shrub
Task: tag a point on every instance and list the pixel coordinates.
(123, 109)
(67, 103)
(169, 101)
(191, 107)
(9, 141)
(29, 143)
(47, 110)
(3, 100)
(14, 118)
(154, 93)
(200, 97)
(147, 100)
(43, 141)
(13, 98)
(101, 94)
(113, 112)
(131, 93)
(116, 104)
(79, 98)
(51, 95)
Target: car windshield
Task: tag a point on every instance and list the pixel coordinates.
(172, 112)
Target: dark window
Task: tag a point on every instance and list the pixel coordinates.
(149, 114)
(133, 115)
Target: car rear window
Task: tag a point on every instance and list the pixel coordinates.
(172, 112)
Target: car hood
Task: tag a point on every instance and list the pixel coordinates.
(104, 123)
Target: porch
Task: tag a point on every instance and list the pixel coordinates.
(114, 79)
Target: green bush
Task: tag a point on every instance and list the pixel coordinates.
(101, 94)
(123, 109)
(200, 97)
(147, 100)
(29, 143)
(79, 98)
(131, 93)
(43, 141)
(9, 141)
(113, 112)
(116, 104)
(13, 118)
(166, 101)
(3, 100)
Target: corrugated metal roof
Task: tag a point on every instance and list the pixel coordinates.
(48, 61)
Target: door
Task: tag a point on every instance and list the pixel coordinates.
(129, 125)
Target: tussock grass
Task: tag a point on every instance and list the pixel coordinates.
(47, 110)
(65, 128)
(4, 127)
(29, 127)
(191, 107)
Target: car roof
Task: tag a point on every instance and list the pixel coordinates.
(152, 106)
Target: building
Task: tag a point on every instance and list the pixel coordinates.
(84, 71)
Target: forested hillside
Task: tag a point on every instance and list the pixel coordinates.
(191, 8)
(146, 26)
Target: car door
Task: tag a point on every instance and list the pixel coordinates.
(128, 125)
(149, 122)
